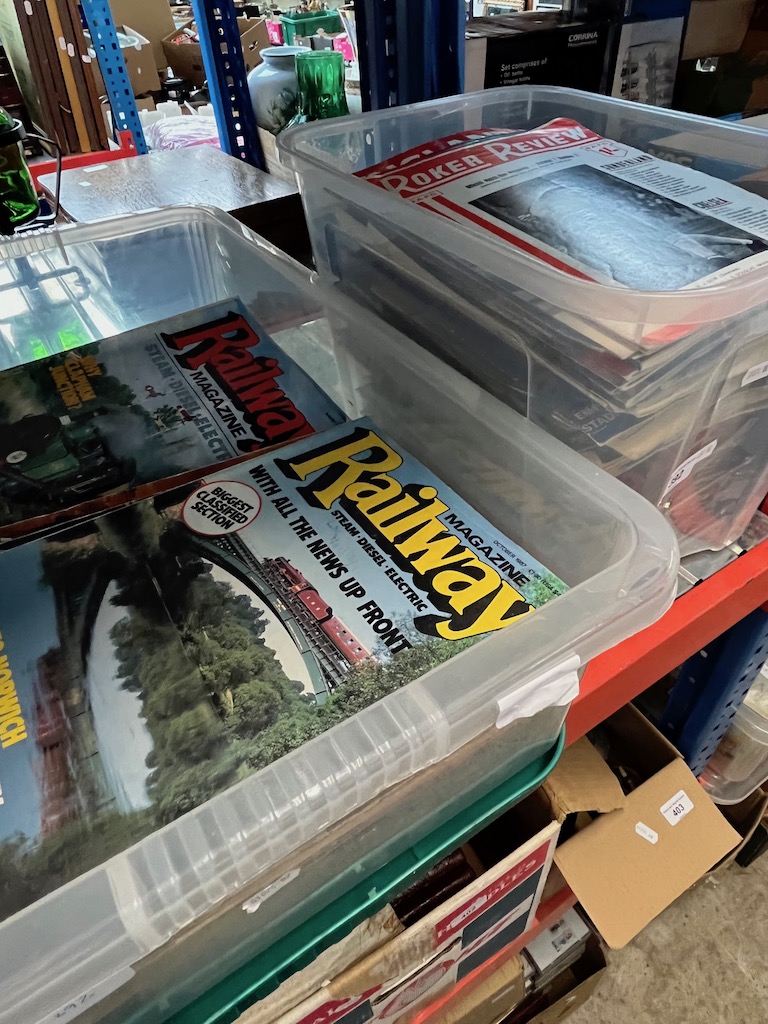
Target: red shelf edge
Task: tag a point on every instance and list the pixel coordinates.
(616, 677)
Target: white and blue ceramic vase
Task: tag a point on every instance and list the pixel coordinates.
(274, 87)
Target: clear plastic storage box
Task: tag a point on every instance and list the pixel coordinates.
(239, 872)
(685, 423)
(740, 763)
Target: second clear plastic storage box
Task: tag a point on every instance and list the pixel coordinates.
(684, 423)
(231, 877)
(740, 763)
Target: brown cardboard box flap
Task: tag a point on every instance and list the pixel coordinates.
(152, 18)
(370, 934)
(631, 864)
(716, 27)
(570, 1001)
(582, 781)
(745, 816)
(482, 1003)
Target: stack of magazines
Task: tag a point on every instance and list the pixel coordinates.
(211, 566)
(679, 411)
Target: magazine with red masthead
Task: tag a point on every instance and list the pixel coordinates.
(114, 420)
(586, 205)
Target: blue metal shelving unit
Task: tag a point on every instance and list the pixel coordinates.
(409, 50)
(112, 66)
(711, 687)
(222, 53)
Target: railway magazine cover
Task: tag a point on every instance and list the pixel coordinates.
(112, 420)
(152, 657)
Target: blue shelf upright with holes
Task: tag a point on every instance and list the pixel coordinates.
(711, 687)
(112, 66)
(222, 53)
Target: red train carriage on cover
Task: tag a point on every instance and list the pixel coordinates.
(343, 639)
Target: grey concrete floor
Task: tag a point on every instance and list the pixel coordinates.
(703, 961)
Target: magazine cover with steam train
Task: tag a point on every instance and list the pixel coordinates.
(116, 418)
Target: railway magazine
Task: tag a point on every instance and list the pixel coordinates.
(155, 655)
(110, 421)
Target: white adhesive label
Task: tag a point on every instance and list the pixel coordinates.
(553, 688)
(647, 833)
(675, 810)
(754, 373)
(28, 8)
(86, 1000)
(686, 468)
(70, 50)
(62, 43)
(252, 905)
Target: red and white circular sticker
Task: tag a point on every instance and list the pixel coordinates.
(221, 507)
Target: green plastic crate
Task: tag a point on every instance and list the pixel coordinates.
(308, 24)
(226, 1001)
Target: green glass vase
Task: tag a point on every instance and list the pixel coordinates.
(321, 86)
(18, 199)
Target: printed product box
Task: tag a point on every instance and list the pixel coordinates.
(394, 981)
(542, 48)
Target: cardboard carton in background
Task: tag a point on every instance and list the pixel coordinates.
(573, 987)
(187, 59)
(635, 858)
(716, 27)
(152, 18)
(139, 64)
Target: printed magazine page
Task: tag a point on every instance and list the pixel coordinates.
(115, 418)
(590, 207)
(156, 655)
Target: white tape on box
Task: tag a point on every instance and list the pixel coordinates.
(557, 686)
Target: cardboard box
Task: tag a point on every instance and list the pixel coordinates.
(187, 59)
(745, 816)
(139, 64)
(716, 27)
(152, 18)
(572, 989)
(443, 947)
(644, 849)
(557, 947)
(547, 48)
(503, 988)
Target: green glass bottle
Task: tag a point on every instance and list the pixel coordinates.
(321, 86)
(18, 199)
